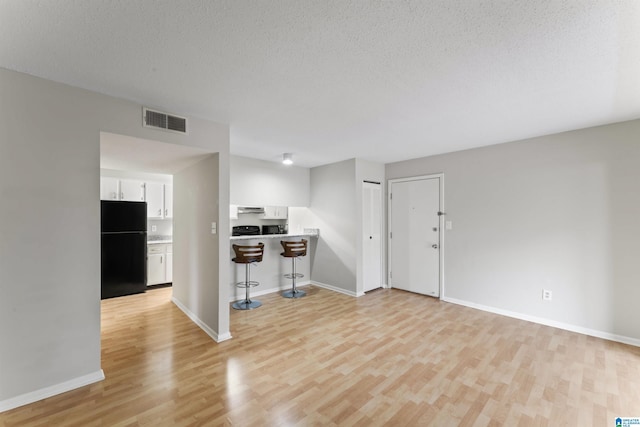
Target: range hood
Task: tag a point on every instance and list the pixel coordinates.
(250, 210)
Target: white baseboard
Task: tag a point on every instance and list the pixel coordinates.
(547, 322)
(43, 393)
(256, 292)
(336, 289)
(191, 315)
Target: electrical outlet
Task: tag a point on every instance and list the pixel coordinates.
(547, 295)
(154, 228)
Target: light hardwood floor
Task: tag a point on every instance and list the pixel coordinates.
(388, 358)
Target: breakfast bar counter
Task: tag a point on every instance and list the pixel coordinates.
(270, 272)
(276, 236)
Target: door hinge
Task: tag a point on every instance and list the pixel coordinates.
(391, 235)
(390, 274)
(390, 196)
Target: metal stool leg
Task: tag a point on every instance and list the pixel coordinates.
(294, 292)
(247, 304)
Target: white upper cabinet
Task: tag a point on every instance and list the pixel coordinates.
(131, 190)
(155, 200)
(109, 188)
(121, 189)
(168, 201)
(159, 196)
(275, 212)
(159, 200)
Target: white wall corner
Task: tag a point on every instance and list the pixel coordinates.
(217, 337)
(336, 289)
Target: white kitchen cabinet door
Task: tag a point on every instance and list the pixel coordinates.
(156, 269)
(131, 190)
(168, 201)
(275, 212)
(155, 200)
(169, 268)
(109, 188)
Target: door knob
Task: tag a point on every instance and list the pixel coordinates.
(434, 246)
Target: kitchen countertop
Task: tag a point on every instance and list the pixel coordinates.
(155, 240)
(276, 236)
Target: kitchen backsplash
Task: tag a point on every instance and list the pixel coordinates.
(163, 227)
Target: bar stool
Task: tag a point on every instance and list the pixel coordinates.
(294, 250)
(247, 255)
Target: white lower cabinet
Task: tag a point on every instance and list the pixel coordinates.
(159, 264)
(169, 267)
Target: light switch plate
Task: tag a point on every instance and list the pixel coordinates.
(448, 225)
(214, 228)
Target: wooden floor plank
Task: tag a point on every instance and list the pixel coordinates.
(388, 358)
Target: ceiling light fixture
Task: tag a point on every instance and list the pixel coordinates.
(287, 159)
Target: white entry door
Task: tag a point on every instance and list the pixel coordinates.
(414, 237)
(371, 235)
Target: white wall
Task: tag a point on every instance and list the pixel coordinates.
(333, 208)
(50, 228)
(261, 183)
(299, 219)
(559, 212)
(142, 176)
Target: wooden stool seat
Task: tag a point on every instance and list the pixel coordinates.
(294, 250)
(247, 255)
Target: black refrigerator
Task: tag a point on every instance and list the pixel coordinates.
(123, 242)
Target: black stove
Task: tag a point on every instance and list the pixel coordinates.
(245, 230)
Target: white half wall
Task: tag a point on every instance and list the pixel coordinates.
(560, 212)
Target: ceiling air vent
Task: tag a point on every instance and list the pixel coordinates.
(160, 120)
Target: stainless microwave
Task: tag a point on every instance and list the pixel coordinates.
(272, 229)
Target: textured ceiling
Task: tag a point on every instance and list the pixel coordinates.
(330, 80)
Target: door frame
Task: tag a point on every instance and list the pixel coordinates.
(441, 223)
